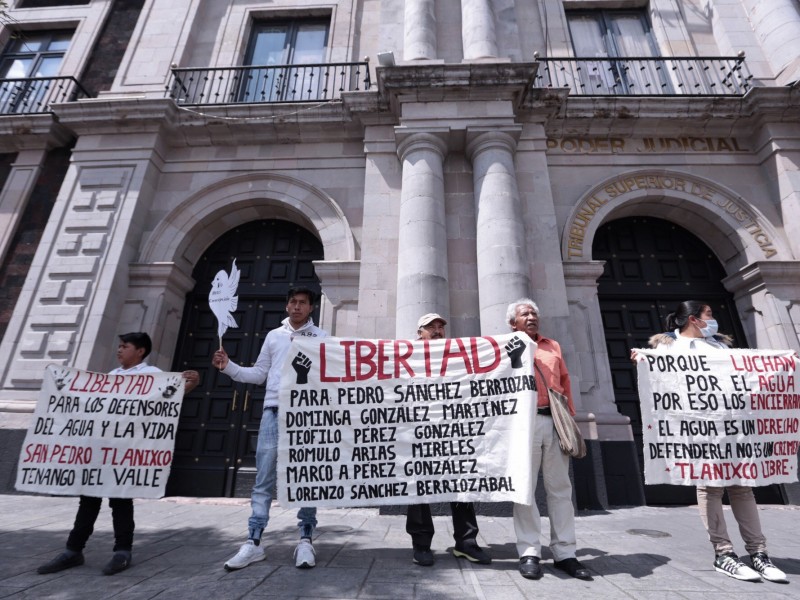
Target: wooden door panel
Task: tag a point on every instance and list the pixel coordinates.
(216, 441)
(651, 266)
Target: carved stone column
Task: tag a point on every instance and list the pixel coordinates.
(502, 261)
(419, 30)
(422, 279)
(477, 30)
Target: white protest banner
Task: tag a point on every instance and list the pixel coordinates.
(222, 299)
(370, 422)
(101, 435)
(724, 418)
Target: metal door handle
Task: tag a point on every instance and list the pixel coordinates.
(233, 405)
(246, 399)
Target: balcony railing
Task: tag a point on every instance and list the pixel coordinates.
(33, 95)
(260, 84)
(646, 76)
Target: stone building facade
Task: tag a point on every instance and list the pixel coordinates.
(608, 159)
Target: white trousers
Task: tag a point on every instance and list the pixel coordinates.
(554, 463)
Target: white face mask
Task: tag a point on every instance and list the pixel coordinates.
(710, 329)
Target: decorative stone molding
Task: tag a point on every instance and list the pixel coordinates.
(339, 280)
(768, 300)
(184, 234)
(728, 223)
(74, 270)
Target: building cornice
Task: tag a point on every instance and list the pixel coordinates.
(692, 115)
(453, 82)
(210, 125)
(32, 132)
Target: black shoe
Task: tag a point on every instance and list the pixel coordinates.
(119, 562)
(529, 567)
(65, 560)
(573, 568)
(423, 556)
(470, 550)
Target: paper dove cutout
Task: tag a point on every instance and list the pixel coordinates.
(223, 299)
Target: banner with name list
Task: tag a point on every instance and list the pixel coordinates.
(371, 422)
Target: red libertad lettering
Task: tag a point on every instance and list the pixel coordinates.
(362, 360)
(96, 383)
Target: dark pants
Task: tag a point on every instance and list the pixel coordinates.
(121, 516)
(419, 523)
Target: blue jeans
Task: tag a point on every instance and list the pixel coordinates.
(266, 476)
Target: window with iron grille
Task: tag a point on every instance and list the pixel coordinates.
(28, 60)
(606, 34)
(287, 61)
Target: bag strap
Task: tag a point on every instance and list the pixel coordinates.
(541, 374)
(548, 388)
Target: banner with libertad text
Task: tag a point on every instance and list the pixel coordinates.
(104, 435)
(718, 419)
(371, 422)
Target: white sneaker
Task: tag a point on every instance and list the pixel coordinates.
(247, 554)
(768, 571)
(304, 555)
(730, 564)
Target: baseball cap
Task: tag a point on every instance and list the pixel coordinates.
(428, 319)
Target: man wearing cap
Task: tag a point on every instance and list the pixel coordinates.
(419, 523)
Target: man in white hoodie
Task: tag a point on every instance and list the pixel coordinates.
(299, 306)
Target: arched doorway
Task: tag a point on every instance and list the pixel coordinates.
(218, 428)
(651, 266)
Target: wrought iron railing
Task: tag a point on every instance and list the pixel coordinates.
(261, 84)
(646, 76)
(31, 95)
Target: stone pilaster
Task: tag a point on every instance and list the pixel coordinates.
(16, 192)
(377, 283)
(597, 411)
(74, 297)
(154, 303)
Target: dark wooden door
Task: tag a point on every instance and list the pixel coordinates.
(218, 427)
(651, 266)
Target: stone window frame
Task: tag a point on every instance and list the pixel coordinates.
(672, 39)
(234, 38)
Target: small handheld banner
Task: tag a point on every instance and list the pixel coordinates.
(371, 422)
(725, 418)
(101, 435)
(223, 299)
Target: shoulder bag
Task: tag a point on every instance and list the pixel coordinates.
(569, 436)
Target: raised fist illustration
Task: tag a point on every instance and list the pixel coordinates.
(301, 365)
(515, 348)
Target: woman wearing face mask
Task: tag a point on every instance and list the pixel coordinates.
(692, 328)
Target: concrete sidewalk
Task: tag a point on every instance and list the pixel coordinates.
(182, 543)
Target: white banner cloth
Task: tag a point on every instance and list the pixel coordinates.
(725, 418)
(370, 422)
(101, 435)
